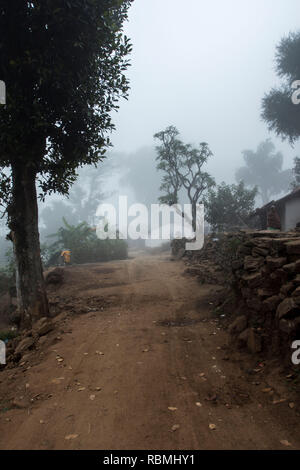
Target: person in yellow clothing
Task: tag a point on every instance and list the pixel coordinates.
(66, 255)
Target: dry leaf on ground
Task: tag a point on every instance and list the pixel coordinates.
(69, 437)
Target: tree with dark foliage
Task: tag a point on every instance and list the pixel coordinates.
(182, 165)
(228, 206)
(279, 111)
(63, 63)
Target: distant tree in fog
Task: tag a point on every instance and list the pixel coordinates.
(264, 169)
(182, 167)
(228, 206)
(296, 173)
(5, 244)
(140, 175)
(278, 109)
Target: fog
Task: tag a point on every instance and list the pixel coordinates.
(204, 67)
(201, 66)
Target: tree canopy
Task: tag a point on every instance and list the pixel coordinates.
(278, 109)
(296, 173)
(64, 74)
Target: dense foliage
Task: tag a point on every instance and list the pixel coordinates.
(84, 245)
(64, 73)
(182, 167)
(279, 111)
(64, 66)
(228, 206)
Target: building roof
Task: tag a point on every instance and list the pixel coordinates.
(294, 194)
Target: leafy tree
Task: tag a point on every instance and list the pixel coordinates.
(86, 195)
(278, 108)
(85, 247)
(4, 243)
(228, 206)
(64, 74)
(182, 166)
(296, 173)
(264, 170)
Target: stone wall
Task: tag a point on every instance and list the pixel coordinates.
(266, 272)
(263, 269)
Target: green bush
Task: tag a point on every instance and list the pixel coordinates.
(84, 245)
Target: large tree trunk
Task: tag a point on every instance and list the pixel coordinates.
(23, 222)
(194, 216)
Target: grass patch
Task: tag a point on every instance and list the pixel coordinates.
(5, 406)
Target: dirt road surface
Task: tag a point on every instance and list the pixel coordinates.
(149, 371)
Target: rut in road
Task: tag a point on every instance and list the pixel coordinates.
(150, 371)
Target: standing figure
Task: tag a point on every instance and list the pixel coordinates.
(66, 256)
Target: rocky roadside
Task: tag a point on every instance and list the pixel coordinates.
(261, 270)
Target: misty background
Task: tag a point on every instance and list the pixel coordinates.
(201, 66)
(204, 67)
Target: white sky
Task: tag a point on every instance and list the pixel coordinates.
(204, 67)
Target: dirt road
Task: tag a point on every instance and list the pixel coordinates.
(149, 371)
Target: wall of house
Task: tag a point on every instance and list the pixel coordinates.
(292, 213)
